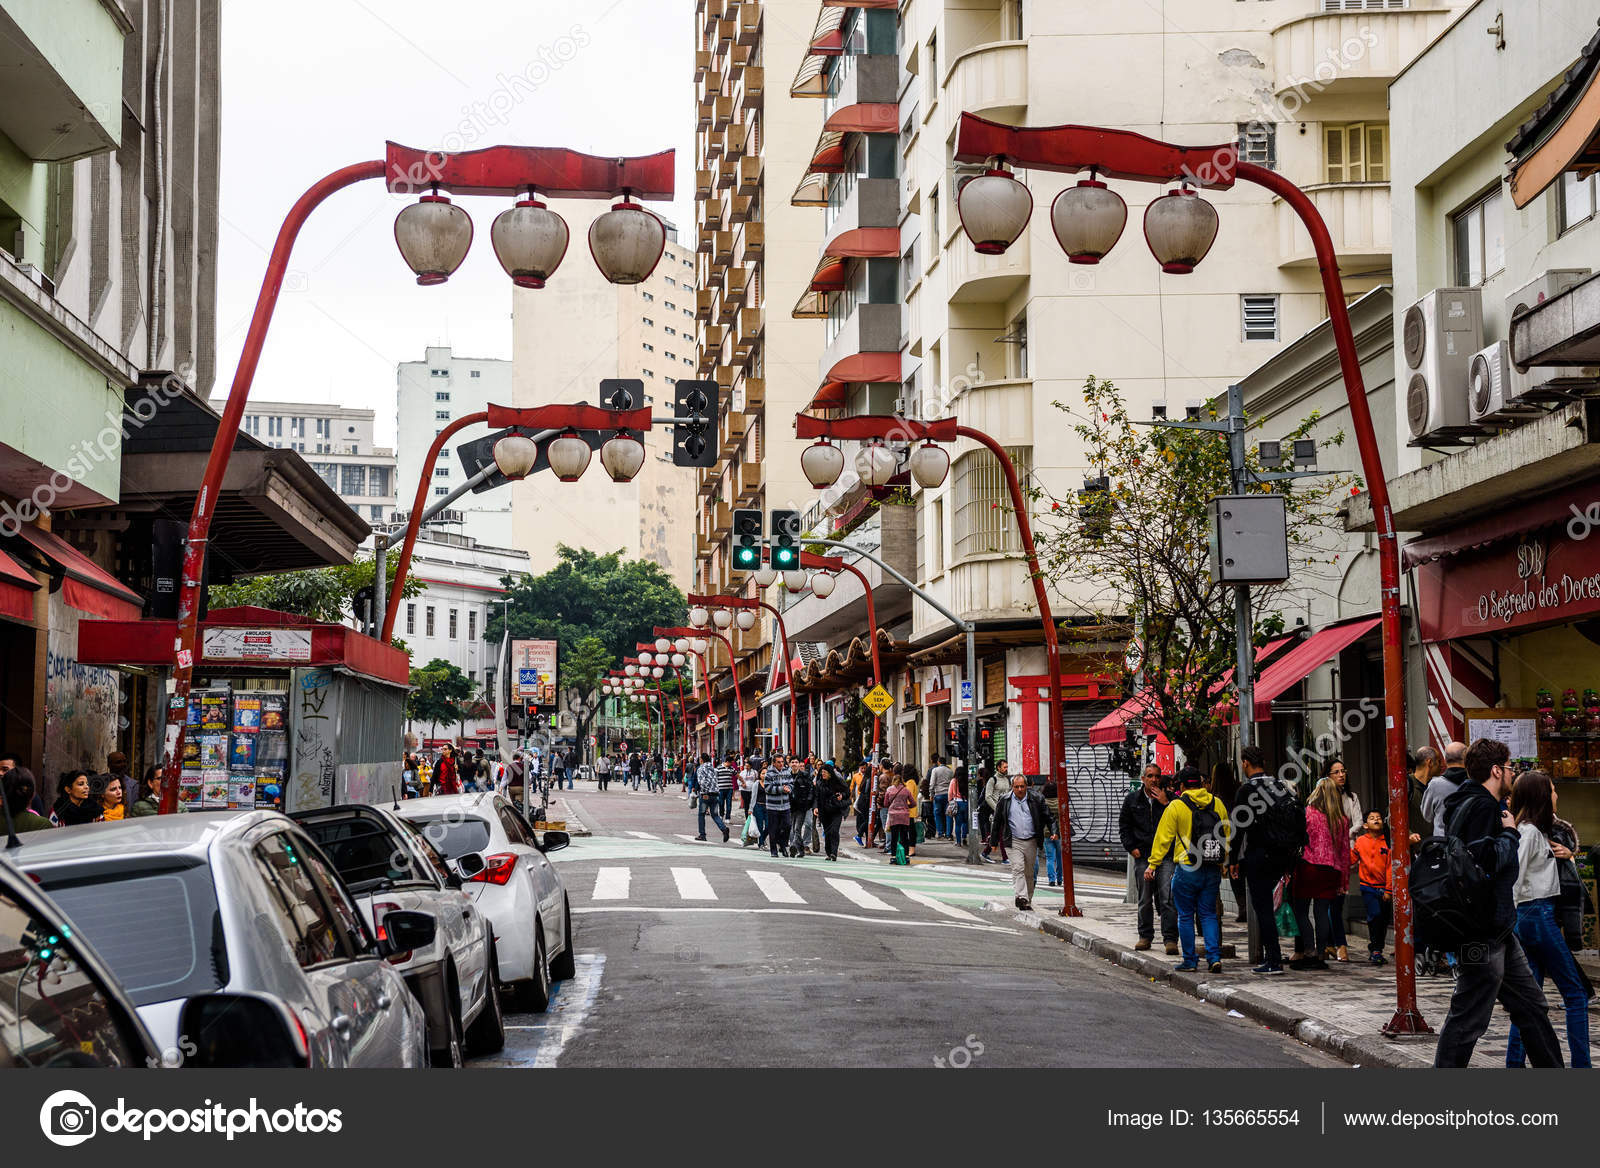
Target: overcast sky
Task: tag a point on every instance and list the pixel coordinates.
(309, 86)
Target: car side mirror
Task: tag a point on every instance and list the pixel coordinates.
(404, 931)
(554, 841)
(241, 1030)
(470, 864)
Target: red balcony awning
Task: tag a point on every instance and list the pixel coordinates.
(831, 396)
(1563, 134)
(1294, 666)
(873, 368)
(829, 275)
(866, 117)
(86, 586)
(827, 157)
(827, 40)
(17, 587)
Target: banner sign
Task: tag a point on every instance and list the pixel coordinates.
(1544, 578)
(534, 676)
(227, 644)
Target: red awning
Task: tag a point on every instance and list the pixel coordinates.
(87, 587)
(875, 368)
(864, 243)
(865, 117)
(831, 396)
(1112, 729)
(17, 587)
(1295, 665)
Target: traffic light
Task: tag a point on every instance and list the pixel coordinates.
(1094, 508)
(696, 405)
(747, 539)
(552, 721)
(785, 537)
(956, 736)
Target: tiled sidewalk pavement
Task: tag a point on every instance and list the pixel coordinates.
(1341, 1011)
(560, 812)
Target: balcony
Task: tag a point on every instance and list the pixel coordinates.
(751, 84)
(702, 64)
(722, 247)
(704, 243)
(991, 80)
(702, 303)
(704, 109)
(711, 146)
(725, 172)
(748, 178)
(1357, 215)
(711, 208)
(749, 23)
(721, 519)
(737, 139)
(755, 393)
(981, 279)
(734, 427)
(723, 113)
(752, 476)
(61, 79)
(748, 328)
(702, 183)
(873, 202)
(751, 241)
(1340, 54)
(727, 31)
(734, 285)
(871, 328)
(865, 79)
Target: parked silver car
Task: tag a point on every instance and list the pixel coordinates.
(184, 906)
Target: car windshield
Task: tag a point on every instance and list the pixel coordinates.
(364, 850)
(454, 835)
(155, 923)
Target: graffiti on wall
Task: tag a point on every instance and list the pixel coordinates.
(314, 712)
(1095, 793)
(84, 705)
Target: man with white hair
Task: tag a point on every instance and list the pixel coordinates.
(1441, 788)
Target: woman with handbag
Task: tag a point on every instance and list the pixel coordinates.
(1540, 849)
(898, 802)
(1321, 877)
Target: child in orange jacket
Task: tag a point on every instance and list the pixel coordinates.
(1370, 857)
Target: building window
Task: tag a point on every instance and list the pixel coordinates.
(1258, 143)
(933, 217)
(688, 361)
(670, 331)
(324, 428)
(671, 283)
(982, 522)
(649, 373)
(649, 348)
(411, 620)
(1357, 152)
(476, 373)
(670, 380)
(1363, 5)
(1579, 197)
(687, 312)
(1260, 314)
(472, 624)
(441, 472)
(438, 373)
(441, 415)
(378, 481)
(352, 480)
(669, 306)
(1479, 232)
(274, 427)
(648, 322)
(441, 490)
(452, 624)
(442, 395)
(427, 619)
(648, 296)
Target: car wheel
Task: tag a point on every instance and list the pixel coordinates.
(565, 966)
(451, 1056)
(534, 994)
(487, 1034)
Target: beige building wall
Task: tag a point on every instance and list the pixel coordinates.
(565, 339)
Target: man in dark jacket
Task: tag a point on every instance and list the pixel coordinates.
(1136, 825)
(1263, 854)
(1494, 967)
(833, 799)
(1022, 821)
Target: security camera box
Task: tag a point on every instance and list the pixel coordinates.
(1249, 539)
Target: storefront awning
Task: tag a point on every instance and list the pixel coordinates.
(1563, 134)
(17, 587)
(85, 585)
(1113, 728)
(1296, 665)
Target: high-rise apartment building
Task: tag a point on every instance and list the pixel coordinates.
(754, 250)
(569, 337)
(338, 443)
(429, 395)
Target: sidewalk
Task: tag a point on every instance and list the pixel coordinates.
(1341, 1011)
(560, 812)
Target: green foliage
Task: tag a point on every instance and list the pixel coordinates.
(1145, 543)
(322, 594)
(439, 693)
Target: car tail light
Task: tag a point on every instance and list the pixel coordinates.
(381, 909)
(497, 869)
(302, 1039)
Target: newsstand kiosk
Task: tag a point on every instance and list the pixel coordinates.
(285, 713)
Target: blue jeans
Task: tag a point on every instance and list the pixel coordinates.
(958, 821)
(760, 812)
(1547, 952)
(725, 799)
(1373, 900)
(710, 804)
(1196, 889)
(1052, 861)
(941, 817)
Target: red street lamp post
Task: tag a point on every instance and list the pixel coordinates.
(837, 564)
(879, 427)
(433, 236)
(745, 602)
(1180, 228)
(693, 634)
(650, 647)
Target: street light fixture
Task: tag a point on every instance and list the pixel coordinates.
(631, 669)
(1180, 228)
(746, 618)
(701, 645)
(658, 672)
(876, 464)
(766, 576)
(678, 660)
(681, 644)
(530, 241)
(622, 455)
(434, 236)
(569, 456)
(627, 241)
(1088, 220)
(663, 645)
(514, 456)
(822, 585)
(822, 464)
(794, 581)
(994, 209)
(930, 464)
(722, 618)
(699, 617)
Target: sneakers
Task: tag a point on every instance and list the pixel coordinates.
(702, 838)
(1268, 967)
(1186, 967)
(1142, 944)
(860, 843)
(1215, 967)
(1376, 959)
(724, 835)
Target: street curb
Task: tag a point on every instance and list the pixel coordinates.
(1362, 1050)
(575, 826)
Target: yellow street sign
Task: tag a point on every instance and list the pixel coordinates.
(878, 700)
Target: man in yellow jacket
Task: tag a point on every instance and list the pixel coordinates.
(1195, 829)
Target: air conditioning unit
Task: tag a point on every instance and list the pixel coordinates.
(1551, 383)
(1495, 389)
(1552, 283)
(1440, 333)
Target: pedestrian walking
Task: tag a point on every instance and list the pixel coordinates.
(1269, 834)
(801, 798)
(861, 796)
(1195, 828)
(939, 776)
(960, 809)
(775, 793)
(1445, 785)
(908, 776)
(758, 806)
(833, 800)
(1137, 822)
(1024, 820)
(725, 781)
(1225, 786)
(898, 804)
(994, 789)
(706, 781)
(1370, 855)
(1321, 878)
(747, 785)
(1052, 842)
(602, 771)
(1498, 967)
(1425, 765)
(1543, 844)
(445, 776)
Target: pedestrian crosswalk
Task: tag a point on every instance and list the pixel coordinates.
(616, 883)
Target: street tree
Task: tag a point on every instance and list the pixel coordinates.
(440, 693)
(1142, 548)
(596, 608)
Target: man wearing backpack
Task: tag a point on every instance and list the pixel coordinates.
(1492, 963)
(1269, 833)
(1195, 829)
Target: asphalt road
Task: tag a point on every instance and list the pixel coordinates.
(713, 955)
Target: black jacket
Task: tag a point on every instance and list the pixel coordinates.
(1473, 816)
(1044, 820)
(1137, 824)
(833, 796)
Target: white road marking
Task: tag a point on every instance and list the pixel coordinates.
(570, 1004)
(775, 888)
(610, 884)
(642, 835)
(799, 912)
(938, 905)
(692, 884)
(858, 895)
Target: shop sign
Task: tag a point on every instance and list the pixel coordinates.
(230, 644)
(1544, 578)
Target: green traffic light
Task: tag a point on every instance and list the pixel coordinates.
(785, 559)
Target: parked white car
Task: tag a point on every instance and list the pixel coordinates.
(389, 866)
(183, 906)
(519, 889)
